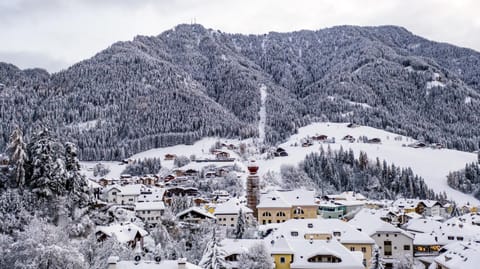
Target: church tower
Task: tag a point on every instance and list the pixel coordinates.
(253, 187)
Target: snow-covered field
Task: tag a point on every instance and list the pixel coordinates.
(431, 164)
(201, 149)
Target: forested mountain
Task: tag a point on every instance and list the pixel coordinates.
(191, 82)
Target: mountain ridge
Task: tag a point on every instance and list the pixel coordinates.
(190, 82)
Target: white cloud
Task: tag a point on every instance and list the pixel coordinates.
(72, 30)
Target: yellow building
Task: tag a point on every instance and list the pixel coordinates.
(325, 230)
(300, 254)
(280, 206)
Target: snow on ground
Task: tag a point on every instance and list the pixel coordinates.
(115, 168)
(263, 113)
(435, 83)
(431, 164)
(201, 150)
(363, 105)
(84, 126)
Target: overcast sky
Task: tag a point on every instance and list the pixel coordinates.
(54, 34)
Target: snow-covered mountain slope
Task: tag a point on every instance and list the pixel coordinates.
(191, 82)
(431, 164)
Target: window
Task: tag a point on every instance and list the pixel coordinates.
(337, 234)
(388, 248)
(267, 214)
(310, 225)
(352, 248)
(294, 233)
(406, 247)
(231, 219)
(325, 258)
(281, 214)
(298, 211)
(460, 238)
(451, 238)
(282, 259)
(364, 249)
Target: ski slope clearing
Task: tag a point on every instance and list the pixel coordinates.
(262, 113)
(431, 164)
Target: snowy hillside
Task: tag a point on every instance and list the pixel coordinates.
(431, 164)
(200, 149)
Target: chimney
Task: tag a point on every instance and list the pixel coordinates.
(182, 263)
(112, 262)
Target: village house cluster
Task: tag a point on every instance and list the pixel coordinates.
(299, 228)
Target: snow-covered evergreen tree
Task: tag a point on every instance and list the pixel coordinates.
(43, 246)
(47, 167)
(241, 225)
(376, 261)
(75, 184)
(97, 253)
(180, 202)
(213, 256)
(257, 257)
(100, 170)
(18, 158)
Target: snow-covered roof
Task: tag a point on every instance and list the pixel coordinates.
(126, 190)
(149, 206)
(368, 220)
(198, 210)
(151, 194)
(164, 264)
(282, 199)
(345, 232)
(124, 232)
(426, 239)
(348, 195)
(406, 203)
(446, 232)
(423, 225)
(413, 215)
(306, 249)
(231, 207)
(461, 255)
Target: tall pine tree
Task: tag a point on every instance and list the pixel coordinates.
(18, 158)
(46, 166)
(213, 256)
(241, 225)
